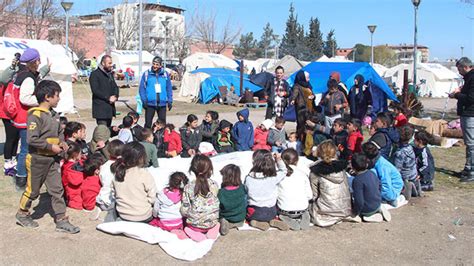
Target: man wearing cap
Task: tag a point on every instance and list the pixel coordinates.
(25, 81)
(156, 92)
(105, 92)
(465, 109)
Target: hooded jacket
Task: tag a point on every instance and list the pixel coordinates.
(72, 180)
(168, 204)
(330, 186)
(276, 135)
(465, 98)
(209, 130)
(360, 99)
(390, 179)
(384, 139)
(404, 160)
(190, 139)
(354, 143)
(260, 138)
(173, 140)
(148, 83)
(242, 132)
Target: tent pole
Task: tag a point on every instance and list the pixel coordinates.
(241, 78)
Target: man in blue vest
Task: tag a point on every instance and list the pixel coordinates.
(156, 92)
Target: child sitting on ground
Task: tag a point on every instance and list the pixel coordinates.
(404, 160)
(134, 186)
(172, 141)
(158, 138)
(386, 137)
(242, 131)
(191, 136)
(146, 139)
(100, 139)
(400, 118)
(339, 137)
(355, 139)
(209, 126)
(73, 176)
(262, 190)
(136, 128)
(367, 200)
(294, 143)
(106, 198)
(261, 136)
(63, 122)
(232, 198)
(200, 204)
(277, 135)
(91, 185)
(331, 201)
(224, 141)
(294, 193)
(76, 132)
(125, 134)
(424, 160)
(168, 204)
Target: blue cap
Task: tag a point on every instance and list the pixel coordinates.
(29, 55)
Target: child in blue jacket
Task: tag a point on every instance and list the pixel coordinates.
(242, 132)
(424, 161)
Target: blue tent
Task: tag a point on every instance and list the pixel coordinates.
(222, 77)
(319, 74)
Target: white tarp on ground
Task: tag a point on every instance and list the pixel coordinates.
(439, 80)
(62, 68)
(289, 63)
(190, 85)
(207, 60)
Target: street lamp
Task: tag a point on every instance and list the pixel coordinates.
(416, 3)
(372, 30)
(67, 6)
(165, 23)
(462, 51)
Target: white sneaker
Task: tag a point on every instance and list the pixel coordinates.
(385, 213)
(375, 218)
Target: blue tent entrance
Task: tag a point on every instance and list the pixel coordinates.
(319, 74)
(222, 77)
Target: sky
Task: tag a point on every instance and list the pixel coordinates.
(443, 25)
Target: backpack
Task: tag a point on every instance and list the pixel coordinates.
(10, 106)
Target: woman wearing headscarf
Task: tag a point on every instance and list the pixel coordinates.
(360, 98)
(302, 97)
(340, 85)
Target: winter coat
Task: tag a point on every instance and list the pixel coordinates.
(354, 143)
(330, 101)
(260, 138)
(72, 178)
(101, 133)
(201, 211)
(390, 179)
(331, 195)
(270, 90)
(242, 132)
(190, 139)
(233, 204)
(167, 207)
(208, 130)
(103, 86)
(360, 99)
(224, 142)
(404, 160)
(25, 82)
(147, 89)
(90, 190)
(294, 192)
(276, 135)
(174, 141)
(465, 98)
(158, 140)
(385, 139)
(425, 164)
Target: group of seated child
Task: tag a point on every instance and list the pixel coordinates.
(348, 180)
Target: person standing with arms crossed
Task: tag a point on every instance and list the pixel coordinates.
(156, 92)
(277, 93)
(105, 92)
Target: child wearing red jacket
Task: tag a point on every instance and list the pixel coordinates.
(261, 136)
(173, 140)
(91, 185)
(400, 118)
(73, 176)
(355, 139)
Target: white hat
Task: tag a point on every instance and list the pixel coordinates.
(268, 123)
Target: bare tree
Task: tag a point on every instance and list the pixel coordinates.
(205, 29)
(125, 20)
(38, 17)
(180, 42)
(8, 8)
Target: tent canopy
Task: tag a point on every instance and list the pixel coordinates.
(222, 77)
(334, 59)
(61, 66)
(289, 63)
(124, 59)
(207, 60)
(319, 74)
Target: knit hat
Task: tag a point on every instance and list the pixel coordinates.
(268, 123)
(157, 59)
(29, 55)
(224, 123)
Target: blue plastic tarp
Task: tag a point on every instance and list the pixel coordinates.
(222, 77)
(319, 74)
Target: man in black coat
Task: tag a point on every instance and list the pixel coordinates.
(465, 109)
(105, 92)
(277, 92)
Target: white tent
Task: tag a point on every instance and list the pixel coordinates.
(334, 59)
(438, 80)
(62, 68)
(190, 85)
(206, 60)
(69, 52)
(123, 59)
(265, 64)
(380, 69)
(289, 63)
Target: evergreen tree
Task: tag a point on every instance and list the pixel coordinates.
(290, 39)
(246, 48)
(301, 51)
(314, 41)
(266, 42)
(330, 45)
